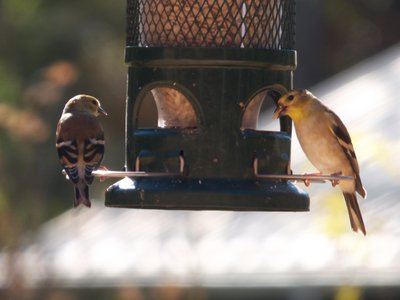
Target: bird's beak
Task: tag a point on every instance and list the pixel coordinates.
(279, 111)
(101, 111)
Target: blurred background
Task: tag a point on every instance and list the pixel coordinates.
(53, 50)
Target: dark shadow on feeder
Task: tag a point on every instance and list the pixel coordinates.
(275, 95)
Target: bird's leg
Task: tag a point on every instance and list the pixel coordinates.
(308, 181)
(335, 182)
(102, 178)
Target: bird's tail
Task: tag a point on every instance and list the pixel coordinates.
(359, 187)
(356, 220)
(82, 196)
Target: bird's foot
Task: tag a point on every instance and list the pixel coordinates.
(335, 182)
(102, 178)
(307, 182)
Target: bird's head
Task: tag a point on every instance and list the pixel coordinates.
(293, 104)
(85, 103)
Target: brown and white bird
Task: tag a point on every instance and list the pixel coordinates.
(327, 144)
(80, 143)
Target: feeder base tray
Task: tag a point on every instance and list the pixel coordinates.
(207, 194)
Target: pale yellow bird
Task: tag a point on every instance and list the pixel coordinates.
(80, 143)
(327, 144)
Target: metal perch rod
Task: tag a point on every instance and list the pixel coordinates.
(295, 177)
(107, 173)
(303, 177)
(291, 177)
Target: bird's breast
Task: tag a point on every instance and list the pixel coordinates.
(321, 147)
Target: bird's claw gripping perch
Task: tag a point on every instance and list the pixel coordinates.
(307, 181)
(102, 169)
(333, 181)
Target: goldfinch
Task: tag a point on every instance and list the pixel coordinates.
(327, 144)
(80, 143)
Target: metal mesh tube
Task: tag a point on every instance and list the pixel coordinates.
(262, 24)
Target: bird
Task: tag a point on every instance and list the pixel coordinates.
(327, 144)
(80, 143)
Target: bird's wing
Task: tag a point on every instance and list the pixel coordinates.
(80, 145)
(68, 153)
(93, 155)
(343, 137)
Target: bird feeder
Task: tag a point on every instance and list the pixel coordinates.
(208, 66)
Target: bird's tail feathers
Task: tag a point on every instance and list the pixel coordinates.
(356, 220)
(360, 189)
(82, 196)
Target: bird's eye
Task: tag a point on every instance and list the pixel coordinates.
(290, 98)
(94, 102)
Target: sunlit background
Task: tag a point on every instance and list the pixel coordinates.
(348, 55)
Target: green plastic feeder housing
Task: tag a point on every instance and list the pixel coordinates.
(208, 66)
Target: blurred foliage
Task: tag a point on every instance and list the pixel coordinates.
(334, 222)
(50, 51)
(348, 293)
(53, 50)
